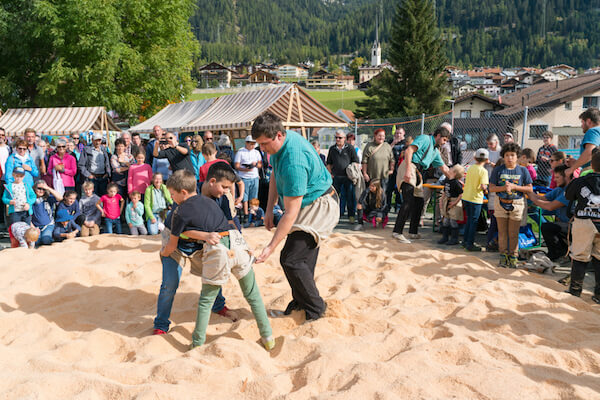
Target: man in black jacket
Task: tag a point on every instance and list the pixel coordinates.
(94, 164)
(339, 157)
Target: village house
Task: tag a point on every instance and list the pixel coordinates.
(291, 72)
(215, 72)
(325, 80)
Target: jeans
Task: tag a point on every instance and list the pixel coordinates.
(391, 189)
(250, 188)
(492, 233)
(19, 216)
(473, 210)
(153, 228)
(411, 208)
(100, 186)
(298, 260)
(45, 235)
(109, 223)
(170, 282)
(343, 185)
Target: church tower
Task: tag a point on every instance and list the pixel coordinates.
(376, 49)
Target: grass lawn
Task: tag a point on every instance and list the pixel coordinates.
(334, 99)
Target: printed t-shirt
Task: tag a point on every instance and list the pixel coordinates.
(518, 176)
(111, 206)
(476, 176)
(299, 171)
(452, 188)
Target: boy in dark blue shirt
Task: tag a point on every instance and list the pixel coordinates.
(199, 220)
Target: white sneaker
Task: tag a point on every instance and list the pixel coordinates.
(414, 236)
(400, 237)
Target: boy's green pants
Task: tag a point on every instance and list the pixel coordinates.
(252, 295)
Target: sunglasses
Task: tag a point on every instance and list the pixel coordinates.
(339, 137)
(75, 138)
(21, 148)
(188, 140)
(60, 147)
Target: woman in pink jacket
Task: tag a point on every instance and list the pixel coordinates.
(65, 164)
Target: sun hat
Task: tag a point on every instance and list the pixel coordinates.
(63, 216)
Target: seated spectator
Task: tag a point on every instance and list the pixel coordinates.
(65, 227)
(277, 214)
(43, 211)
(70, 203)
(134, 214)
(92, 218)
(156, 201)
(555, 233)
(256, 215)
(372, 206)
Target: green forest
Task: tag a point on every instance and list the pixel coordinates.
(486, 32)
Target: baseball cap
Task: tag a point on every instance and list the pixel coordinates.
(482, 153)
(249, 138)
(19, 170)
(508, 134)
(97, 136)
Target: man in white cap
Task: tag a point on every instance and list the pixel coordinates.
(247, 161)
(94, 164)
(508, 138)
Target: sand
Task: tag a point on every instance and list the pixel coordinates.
(404, 321)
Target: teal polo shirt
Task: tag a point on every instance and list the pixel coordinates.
(424, 157)
(299, 171)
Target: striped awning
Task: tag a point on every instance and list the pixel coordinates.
(56, 121)
(174, 117)
(238, 111)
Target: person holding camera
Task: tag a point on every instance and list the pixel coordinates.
(177, 154)
(247, 162)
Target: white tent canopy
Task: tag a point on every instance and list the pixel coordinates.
(174, 117)
(56, 121)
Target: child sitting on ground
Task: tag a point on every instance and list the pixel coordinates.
(156, 201)
(70, 203)
(372, 206)
(526, 159)
(451, 206)
(224, 251)
(585, 246)
(277, 214)
(23, 234)
(476, 184)
(134, 214)
(510, 181)
(43, 211)
(65, 227)
(111, 207)
(256, 215)
(19, 197)
(92, 217)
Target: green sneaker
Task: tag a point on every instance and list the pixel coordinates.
(513, 261)
(268, 342)
(503, 261)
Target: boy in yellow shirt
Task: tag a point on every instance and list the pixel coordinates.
(475, 184)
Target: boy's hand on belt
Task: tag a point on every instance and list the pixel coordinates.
(213, 238)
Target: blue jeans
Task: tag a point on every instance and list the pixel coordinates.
(250, 188)
(170, 282)
(343, 185)
(473, 210)
(153, 228)
(45, 235)
(19, 216)
(109, 223)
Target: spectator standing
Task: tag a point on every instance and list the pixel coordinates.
(196, 156)
(130, 148)
(351, 139)
(136, 140)
(224, 145)
(76, 138)
(35, 152)
(177, 154)
(508, 138)
(158, 134)
(421, 154)
(64, 164)
(494, 148)
(476, 184)
(94, 164)
(92, 217)
(317, 146)
(120, 163)
(590, 125)
(247, 162)
(339, 157)
(544, 154)
(5, 151)
(208, 138)
(21, 158)
(398, 144)
(209, 151)
(140, 175)
(19, 197)
(378, 160)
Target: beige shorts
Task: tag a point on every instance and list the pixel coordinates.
(413, 177)
(585, 242)
(516, 214)
(455, 213)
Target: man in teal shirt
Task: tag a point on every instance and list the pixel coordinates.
(590, 125)
(311, 209)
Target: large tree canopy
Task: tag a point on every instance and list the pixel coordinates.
(132, 56)
(417, 84)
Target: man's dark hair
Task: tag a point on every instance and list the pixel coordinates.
(119, 141)
(558, 155)
(135, 134)
(221, 171)
(69, 193)
(510, 148)
(592, 114)
(528, 153)
(560, 170)
(596, 161)
(267, 124)
(443, 132)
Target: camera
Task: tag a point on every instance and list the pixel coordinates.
(163, 141)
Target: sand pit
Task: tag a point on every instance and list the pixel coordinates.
(404, 321)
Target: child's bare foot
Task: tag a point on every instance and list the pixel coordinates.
(227, 313)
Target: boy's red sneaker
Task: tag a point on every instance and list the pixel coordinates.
(227, 313)
(159, 332)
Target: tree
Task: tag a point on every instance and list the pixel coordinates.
(417, 84)
(132, 56)
(356, 63)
